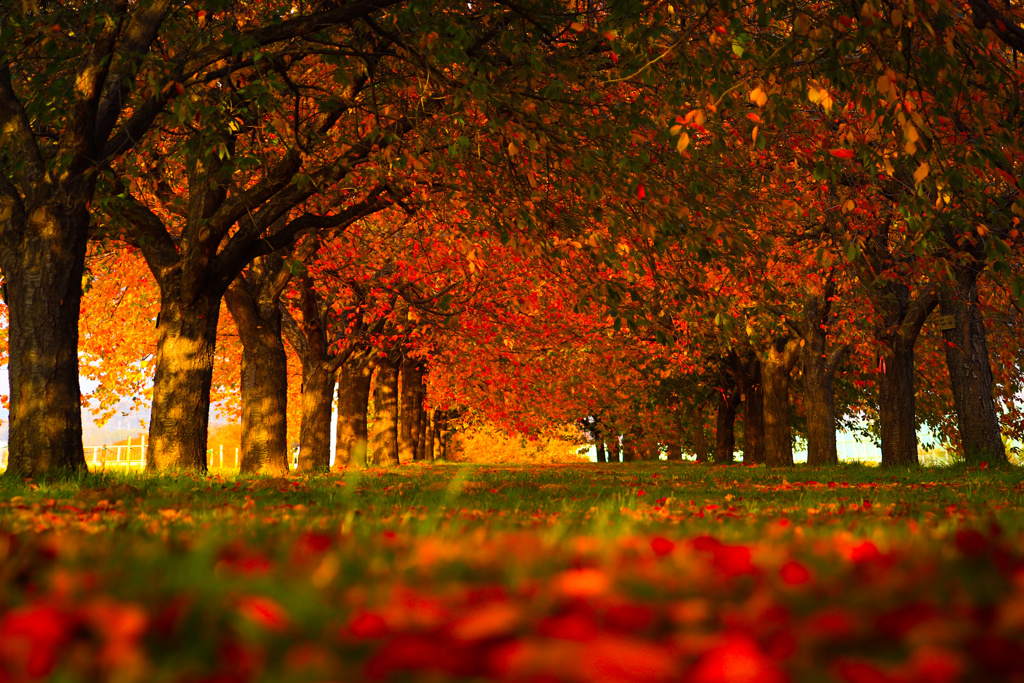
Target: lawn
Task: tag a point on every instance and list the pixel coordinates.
(632, 572)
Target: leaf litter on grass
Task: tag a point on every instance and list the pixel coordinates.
(652, 572)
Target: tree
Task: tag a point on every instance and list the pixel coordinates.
(66, 116)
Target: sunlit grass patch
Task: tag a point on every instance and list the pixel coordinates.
(654, 571)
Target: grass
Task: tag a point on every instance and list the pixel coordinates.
(645, 572)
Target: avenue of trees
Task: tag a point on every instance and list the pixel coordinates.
(695, 227)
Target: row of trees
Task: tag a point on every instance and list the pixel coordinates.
(559, 209)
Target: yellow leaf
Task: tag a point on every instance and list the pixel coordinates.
(582, 583)
(753, 135)
(814, 95)
(682, 143)
(512, 149)
(849, 206)
(758, 96)
(696, 117)
(922, 172)
(491, 620)
(674, 130)
(577, 26)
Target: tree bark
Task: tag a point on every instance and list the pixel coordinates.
(725, 424)
(437, 430)
(819, 368)
(897, 419)
(429, 452)
(410, 409)
(602, 456)
(778, 421)
(700, 435)
(753, 411)
(385, 401)
(319, 369)
(187, 336)
(42, 257)
(614, 449)
(315, 427)
(970, 374)
(354, 382)
(629, 445)
(264, 378)
(896, 406)
(819, 401)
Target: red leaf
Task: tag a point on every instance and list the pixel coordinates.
(662, 546)
(737, 660)
(841, 153)
(794, 573)
(640, 192)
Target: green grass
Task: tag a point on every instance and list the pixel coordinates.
(650, 571)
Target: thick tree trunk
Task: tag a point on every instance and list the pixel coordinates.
(819, 368)
(423, 433)
(43, 275)
(778, 421)
(354, 381)
(385, 403)
(629, 446)
(725, 425)
(614, 449)
(896, 405)
(970, 375)
(437, 429)
(410, 410)
(264, 380)
(819, 402)
(602, 456)
(315, 427)
(429, 451)
(187, 335)
(753, 412)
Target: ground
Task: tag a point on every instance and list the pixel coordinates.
(626, 572)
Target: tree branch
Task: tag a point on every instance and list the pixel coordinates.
(14, 123)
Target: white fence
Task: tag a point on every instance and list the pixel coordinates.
(133, 456)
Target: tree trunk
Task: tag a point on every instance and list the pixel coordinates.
(819, 401)
(700, 435)
(423, 433)
(725, 425)
(602, 456)
(354, 381)
(187, 335)
(385, 402)
(629, 446)
(614, 449)
(264, 380)
(970, 375)
(778, 421)
(753, 412)
(437, 432)
(896, 405)
(315, 428)
(429, 452)
(43, 281)
(819, 370)
(411, 409)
